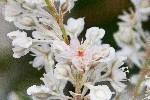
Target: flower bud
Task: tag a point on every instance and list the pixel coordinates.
(24, 22)
(95, 32)
(28, 21)
(64, 7)
(40, 92)
(75, 26)
(100, 92)
(93, 35)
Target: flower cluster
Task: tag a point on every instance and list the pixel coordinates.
(134, 41)
(83, 63)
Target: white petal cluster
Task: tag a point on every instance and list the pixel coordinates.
(38, 89)
(130, 35)
(83, 55)
(134, 42)
(51, 90)
(74, 26)
(118, 75)
(143, 6)
(100, 92)
(21, 43)
(79, 62)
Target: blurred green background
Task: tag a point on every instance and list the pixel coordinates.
(18, 75)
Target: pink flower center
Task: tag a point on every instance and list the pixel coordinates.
(80, 53)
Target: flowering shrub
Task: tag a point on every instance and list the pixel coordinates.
(135, 43)
(56, 47)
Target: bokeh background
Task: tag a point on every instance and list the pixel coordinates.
(17, 74)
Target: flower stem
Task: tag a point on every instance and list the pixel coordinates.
(62, 28)
(53, 10)
(78, 86)
(58, 18)
(143, 72)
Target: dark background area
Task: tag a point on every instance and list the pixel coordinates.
(18, 75)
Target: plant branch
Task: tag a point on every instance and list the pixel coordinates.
(143, 72)
(53, 10)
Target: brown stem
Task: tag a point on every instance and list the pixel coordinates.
(58, 18)
(78, 86)
(143, 72)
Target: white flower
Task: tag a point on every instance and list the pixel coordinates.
(43, 57)
(125, 36)
(75, 26)
(143, 6)
(53, 83)
(38, 89)
(11, 11)
(23, 42)
(93, 34)
(100, 92)
(63, 71)
(129, 18)
(117, 74)
(51, 90)
(134, 56)
(20, 42)
(83, 55)
(39, 92)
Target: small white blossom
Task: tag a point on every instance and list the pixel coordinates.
(143, 6)
(83, 55)
(93, 34)
(117, 74)
(43, 57)
(51, 90)
(100, 92)
(75, 26)
(39, 92)
(38, 89)
(129, 18)
(133, 55)
(53, 83)
(20, 42)
(125, 36)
